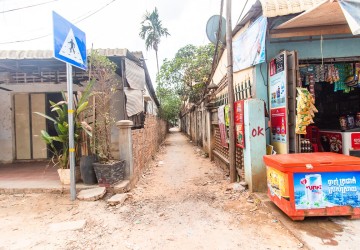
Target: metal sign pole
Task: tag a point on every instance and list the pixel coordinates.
(71, 130)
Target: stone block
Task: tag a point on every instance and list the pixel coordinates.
(117, 199)
(92, 194)
(235, 186)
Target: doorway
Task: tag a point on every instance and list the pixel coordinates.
(28, 125)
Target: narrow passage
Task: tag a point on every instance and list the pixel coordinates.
(182, 202)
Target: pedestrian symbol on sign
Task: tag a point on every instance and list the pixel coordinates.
(72, 45)
(70, 48)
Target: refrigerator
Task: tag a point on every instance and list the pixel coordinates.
(314, 184)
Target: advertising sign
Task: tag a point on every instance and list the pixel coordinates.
(355, 141)
(278, 103)
(277, 183)
(329, 189)
(278, 125)
(249, 47)
(239, 124)
(277, 90)
(331, 141)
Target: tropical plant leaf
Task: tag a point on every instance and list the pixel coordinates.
(46, 137)
(63, 128)
(46, 116)
(82, 107)
(59, 138)
(87, 92)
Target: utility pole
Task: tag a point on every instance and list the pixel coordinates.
(232, 153)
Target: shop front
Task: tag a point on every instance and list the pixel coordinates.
(314, 102)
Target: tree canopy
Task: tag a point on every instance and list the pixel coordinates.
(184, 78)
(152, 31)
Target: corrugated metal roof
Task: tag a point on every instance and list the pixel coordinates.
(272, 8)
(26, 54)
(48, 54)
(112, 52)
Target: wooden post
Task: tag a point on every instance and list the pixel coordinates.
(232, 153)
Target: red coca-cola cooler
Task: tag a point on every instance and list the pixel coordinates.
(314, 184)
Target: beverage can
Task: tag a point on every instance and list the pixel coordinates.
(343, 122)
(350, 121)
(357, 120)
(313, 190)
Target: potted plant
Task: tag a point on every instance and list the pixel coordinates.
(108, 170)
(60, 158)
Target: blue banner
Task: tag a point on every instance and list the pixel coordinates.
(249, 47)
(326, 189)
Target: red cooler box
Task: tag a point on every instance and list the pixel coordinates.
(314, 184)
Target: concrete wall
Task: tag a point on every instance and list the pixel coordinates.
(6, 129)
(146, 142)
(261, 89)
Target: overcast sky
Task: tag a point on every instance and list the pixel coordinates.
(115, 26)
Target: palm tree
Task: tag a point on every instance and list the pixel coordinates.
(151, 31)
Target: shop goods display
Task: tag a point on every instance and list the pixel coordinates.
(344, 76)
(305, 110)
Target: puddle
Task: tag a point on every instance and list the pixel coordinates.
(321, 227)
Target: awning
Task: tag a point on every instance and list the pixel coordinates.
(327, 18)
(351, 10)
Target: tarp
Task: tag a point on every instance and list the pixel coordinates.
(222, 127)
(134, 101)
(135, 75)
(351, 10)
(249, 47)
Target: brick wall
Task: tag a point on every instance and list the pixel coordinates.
(146, 142)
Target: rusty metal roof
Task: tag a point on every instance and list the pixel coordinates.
(272, 8)
(48, 54)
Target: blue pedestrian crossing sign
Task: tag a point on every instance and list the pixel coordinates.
(69, 42)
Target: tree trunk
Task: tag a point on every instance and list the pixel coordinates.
(157, 61)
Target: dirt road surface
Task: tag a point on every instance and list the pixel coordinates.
(181, 202)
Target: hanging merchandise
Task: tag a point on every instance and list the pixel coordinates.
(312, 86)
(305, 110)
(353, 78)
(332, 74)
(344, 70)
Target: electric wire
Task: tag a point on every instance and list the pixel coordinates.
(40, 37)
(217, 40)
(26, 7)
(242, 11)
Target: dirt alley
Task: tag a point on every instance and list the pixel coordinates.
(182, 201)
